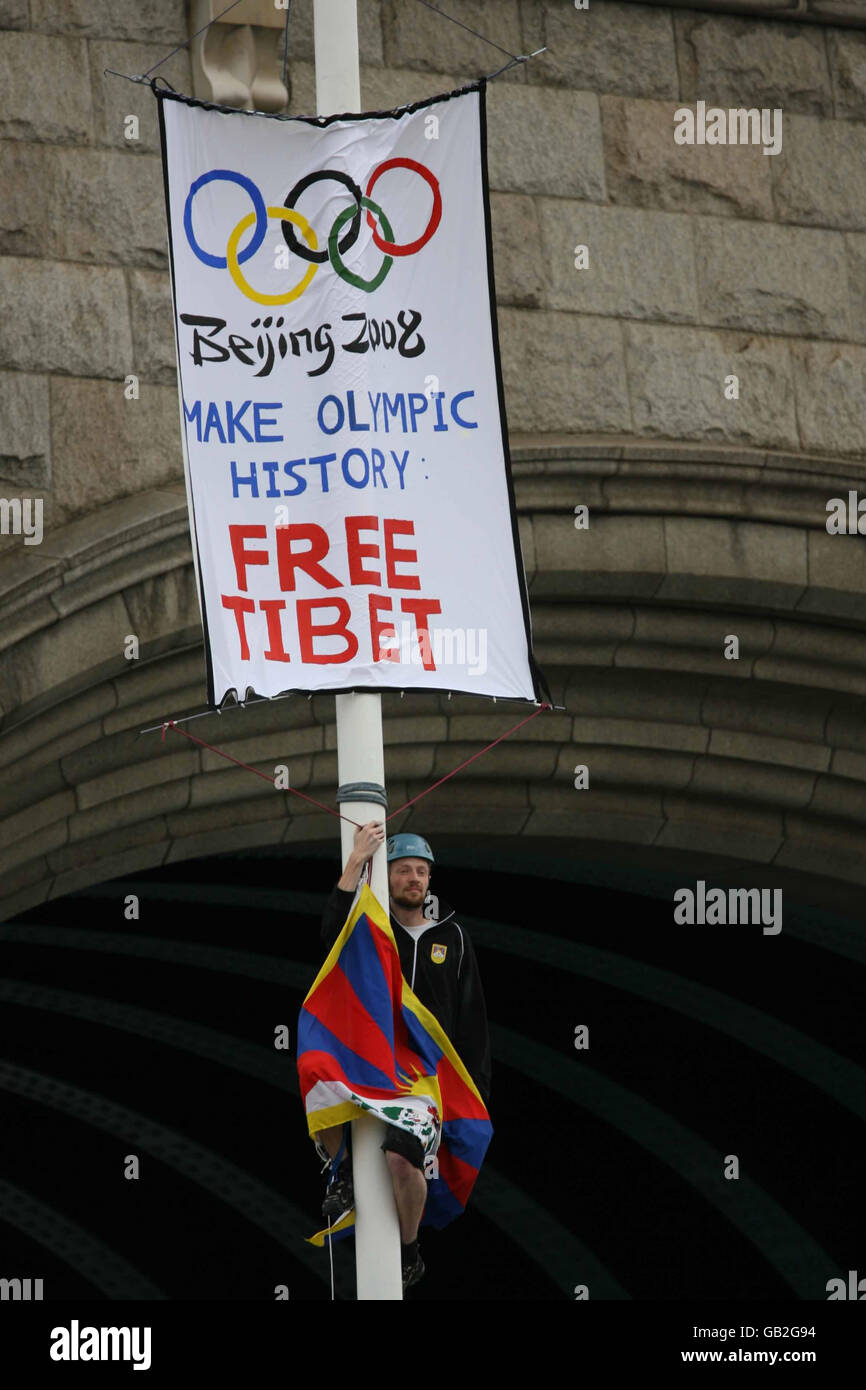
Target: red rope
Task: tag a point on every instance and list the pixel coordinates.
(170, 724)
(468, 761)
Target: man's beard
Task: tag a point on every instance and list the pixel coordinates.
(408, 899)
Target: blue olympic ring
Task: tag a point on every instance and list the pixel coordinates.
(220, 262)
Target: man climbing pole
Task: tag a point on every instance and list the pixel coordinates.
(439, 965)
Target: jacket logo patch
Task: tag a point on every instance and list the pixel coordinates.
(438, 953)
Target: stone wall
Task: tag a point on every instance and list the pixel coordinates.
(83, 269)
(702, 259)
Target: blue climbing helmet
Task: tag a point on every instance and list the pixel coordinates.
(408, 846)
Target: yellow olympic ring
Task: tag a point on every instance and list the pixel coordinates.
(286, 215)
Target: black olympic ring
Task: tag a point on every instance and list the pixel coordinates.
(351, 236)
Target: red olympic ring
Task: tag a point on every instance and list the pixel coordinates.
(390, 247)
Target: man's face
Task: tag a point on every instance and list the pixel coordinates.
(408, 880)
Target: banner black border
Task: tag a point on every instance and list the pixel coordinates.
(539, 684)
(188, 487)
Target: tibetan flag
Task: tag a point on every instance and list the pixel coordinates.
(367, 1043)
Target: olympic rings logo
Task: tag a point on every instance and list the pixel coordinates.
(290, 218)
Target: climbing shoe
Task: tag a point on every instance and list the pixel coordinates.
(413, 1268)
(340, 1196)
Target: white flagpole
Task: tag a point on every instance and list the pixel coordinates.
(360, 755)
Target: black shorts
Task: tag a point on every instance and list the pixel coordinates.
(399, 1141)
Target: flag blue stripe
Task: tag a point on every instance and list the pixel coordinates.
(468, 1139)
(360, 963)
(428, 1050)
(442, 1206)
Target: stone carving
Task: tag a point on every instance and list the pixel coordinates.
(237, 62)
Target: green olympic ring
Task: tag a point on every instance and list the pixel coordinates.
(334, 253)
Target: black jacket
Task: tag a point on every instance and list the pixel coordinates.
(450, 988)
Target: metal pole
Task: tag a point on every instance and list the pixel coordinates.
(335, 39)
(360, 759)
(360, 756)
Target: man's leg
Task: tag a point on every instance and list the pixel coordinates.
(410, 1185)
(410, 1193)
(405, 1155)
(330, 1139)
(340, 1195)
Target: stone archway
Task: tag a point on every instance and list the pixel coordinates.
(758, 761)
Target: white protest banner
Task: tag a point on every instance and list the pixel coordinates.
(344, 436)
